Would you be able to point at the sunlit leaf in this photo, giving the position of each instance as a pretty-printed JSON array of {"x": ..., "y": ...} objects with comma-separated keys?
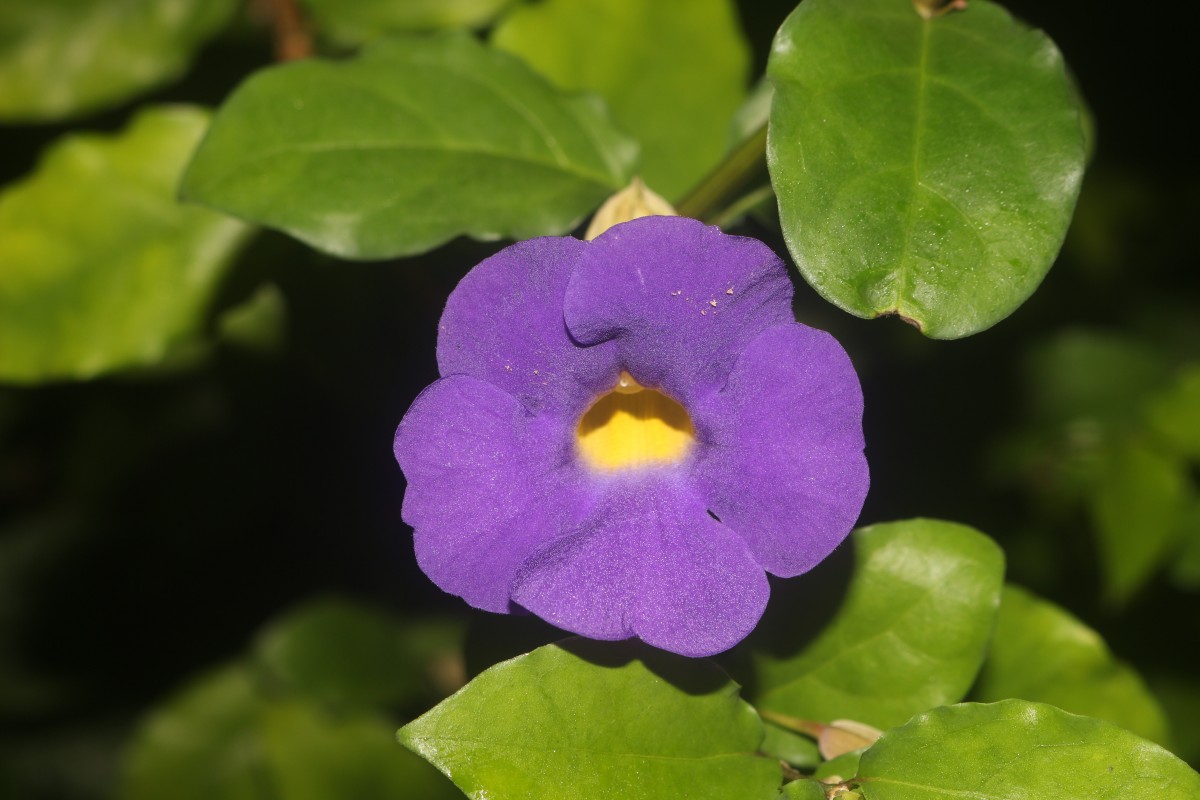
[
  {"x": 357, "y": 21},
  {"x": 414, "y": 142},
  {"x": 1015, "y": 750},
  {"x": 910, "y": 634},
  {"x": 649, "y": 60},
  {"x": 68, "y": 57},
  {"x": 595, "y": 721},
  {"x": 1041, "y": 653},
  {"x": 924, "y": 167},
  {"x": 100, "y": 267}
]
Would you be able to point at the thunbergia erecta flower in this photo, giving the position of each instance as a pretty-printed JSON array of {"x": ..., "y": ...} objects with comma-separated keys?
[{"x": 629, "y": 433}]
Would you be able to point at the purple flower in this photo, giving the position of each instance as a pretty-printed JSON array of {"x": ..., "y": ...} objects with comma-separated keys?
[{"x": 541, "y": 473}]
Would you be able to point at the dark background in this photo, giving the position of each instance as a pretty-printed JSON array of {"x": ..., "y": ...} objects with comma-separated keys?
[{"x": 149, "y": 525}]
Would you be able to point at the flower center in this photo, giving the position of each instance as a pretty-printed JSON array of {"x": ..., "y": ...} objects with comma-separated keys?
[{"x": 632, "y": 426}]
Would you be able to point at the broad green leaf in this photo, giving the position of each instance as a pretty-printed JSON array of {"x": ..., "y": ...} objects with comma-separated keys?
[
  {"x": 594, "y": 721},
  {"x": 1137, "y": 507},
  {"x": 673, "y": 72},
  {"x": 69, "y": 57},
  {"x": 1016, "y": 750},
  {"x": 358, "y": 21},
  {"x": 910, "y": 634},
  {"x": 1041, "y": 653},
  {"x": 1174, "y": 415},
  {"x": 223, "y": 739},
  {"x": 100, "y": 267},
  {"x": 346, "y": 655},
  {"x": 414, "y": 142},
  {"x": 926, "y": 168}
]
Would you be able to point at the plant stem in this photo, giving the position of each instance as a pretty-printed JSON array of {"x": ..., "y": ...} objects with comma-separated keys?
[{"x": 724, "y": 184}]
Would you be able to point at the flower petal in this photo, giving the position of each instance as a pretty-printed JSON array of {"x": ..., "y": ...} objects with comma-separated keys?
[
  {"x": 479, "y": 471},
  {"x": 680, "y": 298},
  {"x": 648, "y": 561},
  {"x": 783, "y": 463},
  {"x": 503, "y": 323}
]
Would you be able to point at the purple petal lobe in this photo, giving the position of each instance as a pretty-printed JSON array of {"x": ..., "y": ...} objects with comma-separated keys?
[
  {"x": 648, "y": 561},
  {"x": 503, "y": 323},
  {"x": 479, "y": 473},
  {"x": 783, "y": 462},
  {"x": 680, "y": 298}
]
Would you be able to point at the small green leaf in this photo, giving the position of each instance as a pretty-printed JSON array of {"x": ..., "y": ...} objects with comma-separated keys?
[
  {"x": 1016, "y": 750},
  {"x": 1174, "y": 415},
  {"x": 926, "y": 168},
  {"x": 100, "y": 267},
  {"x": 406, "y": 146},
  {"x": 69, "y": 57},
  {"x": 799, "y": 751},
  {"x": 357, "y": 21},
  {"x": 594, "y": 721},
  {"x": 803, "y": 789},
  {"x": 1137, "y": 506},
  {"x": 843, "y": 768},
  {"x": 346, "y": 655},
  {"x": 1043, "y": 654},
  {"x": 647, "y": 60},
  {"x": 910, "y": 634},
  {"x": 258, "y": 324}
]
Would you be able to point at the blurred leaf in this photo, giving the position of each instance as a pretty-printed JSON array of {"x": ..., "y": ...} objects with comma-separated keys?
[
  {"x": 1174, "y": 415},
  {"x": 648, "y": 61},
  {"x": 1185, "y": 567},
  {"x": 259, "y": 323},
  {"x": 1137, "y": 508},
  {"x": 799, "y": 751},
  {"x": 346, "y": 655},
  {"x": 222, "y": 739},
  {"x": 926, "y": 168},
  {"x": 1043, "y": 654},
  {"x": 101, "y": 268},
  {"x": 357, "y": 21},
  {"x": 910, "y": 634},
  {"x": 68, "y": 57},
  {"x": 1016, "y": 749},
  {"x": 596, "y": 720},
  {"x": 406, "y": 146},
  {"x": 1180, "y": 695},
  {"x": 1094, "y": 378}
]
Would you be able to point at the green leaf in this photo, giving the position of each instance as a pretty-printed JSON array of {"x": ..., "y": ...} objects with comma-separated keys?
[
  {"x": 258, "y": 324},
  {"x": 910, "y": 634},
  {"x": 648, "y": 60},
  {"x": 358, "y": 21},
  {"x": 1041, "y": 653},
  {"x": 68, "y": 57},
  {"x": 843, "y": 768},
  {"x": 1174, "y": 415},
  {"x": 1016, "y": 750},
  {"x": 926, "y": 168},
  {"x": 803, "y": 789},
  {"x": 223, "y": 739},
  {"x": 596, "y": 720},
  {"x": 346, "y": 655},
  {"x": 799, "y": 751},
  {"x": 102, "y": 268},
  {"x": 410, "y": 144},
  {"x": 1137, "y": 507}
]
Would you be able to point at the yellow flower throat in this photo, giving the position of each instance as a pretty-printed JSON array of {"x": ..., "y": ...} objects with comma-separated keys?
[{"x": 632, "y": 427}]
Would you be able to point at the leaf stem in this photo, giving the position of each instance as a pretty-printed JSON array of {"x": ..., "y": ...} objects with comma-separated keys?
[
  {"x": 794, "y": 724},
  {"x": 724, "y": 184},
  {"x": 293, "y": 40}
]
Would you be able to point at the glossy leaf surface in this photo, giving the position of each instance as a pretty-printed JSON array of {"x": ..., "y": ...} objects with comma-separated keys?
[
  {"x": 102, "y": 269},
  {"x": 1016, "y": 750},
  {"x": 647, "y": 59},
  {"x": 414, "y": 142},
  {"x": 910, "y": 633},
  {"x": 1043, "y": 654},
  {"x": 67, "y": 57},
  {"x": 926, "y": 168},
  {"x": 592, "y": 721}
]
